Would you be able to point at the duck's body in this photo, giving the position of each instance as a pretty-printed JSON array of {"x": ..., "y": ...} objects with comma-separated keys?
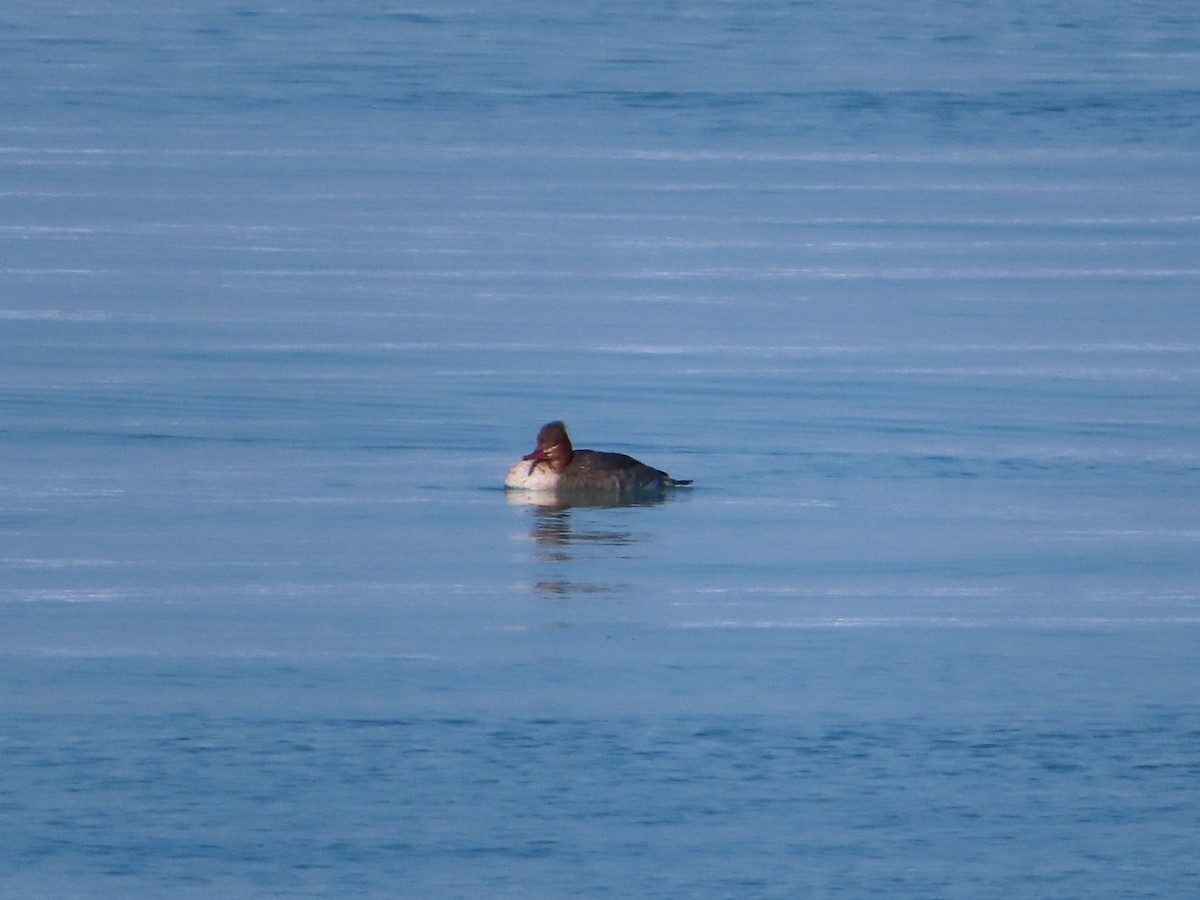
[{"x": 556, "y": 466}]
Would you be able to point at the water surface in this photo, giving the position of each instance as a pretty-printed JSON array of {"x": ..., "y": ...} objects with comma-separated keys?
[{"x": 909, "y": 293}]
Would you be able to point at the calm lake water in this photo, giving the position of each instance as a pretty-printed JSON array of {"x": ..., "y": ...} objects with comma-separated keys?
[{"x": 910, "y": 292}]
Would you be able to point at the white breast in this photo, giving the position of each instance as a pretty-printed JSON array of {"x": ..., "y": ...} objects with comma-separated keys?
[{"x": 543, "y": 478}]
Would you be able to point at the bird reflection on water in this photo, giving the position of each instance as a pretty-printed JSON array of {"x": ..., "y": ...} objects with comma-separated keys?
[{"x": 564, "y": 539}]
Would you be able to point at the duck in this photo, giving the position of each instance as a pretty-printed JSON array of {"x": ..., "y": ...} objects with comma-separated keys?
[{"x": 556, "y": 466}]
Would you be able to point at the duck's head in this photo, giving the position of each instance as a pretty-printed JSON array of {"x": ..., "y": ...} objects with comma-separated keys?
[{"x": 553, "y": 447}]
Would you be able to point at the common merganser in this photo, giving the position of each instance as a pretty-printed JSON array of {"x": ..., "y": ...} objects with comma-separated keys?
[{"x": 555, "y": 466}]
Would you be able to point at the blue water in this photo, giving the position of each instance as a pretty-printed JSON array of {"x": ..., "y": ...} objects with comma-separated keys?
[{"x": 910, "y": 290}]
